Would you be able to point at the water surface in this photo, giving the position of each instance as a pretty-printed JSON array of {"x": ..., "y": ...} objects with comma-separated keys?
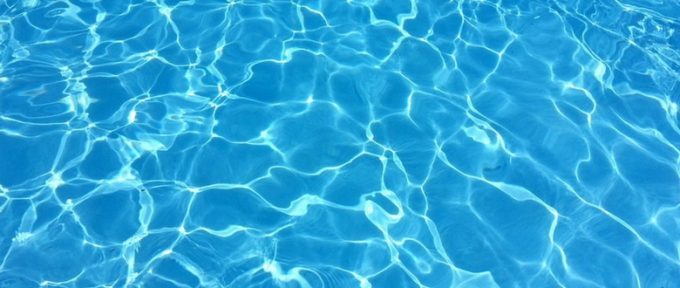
[{"x": 339, "y": 143}]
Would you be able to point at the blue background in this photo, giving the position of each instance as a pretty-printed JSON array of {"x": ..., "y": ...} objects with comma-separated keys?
[{"x": 363, "y": 143}]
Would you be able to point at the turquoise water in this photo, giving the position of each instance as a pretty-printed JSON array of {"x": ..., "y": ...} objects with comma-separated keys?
[{"x": 339, "y": 143}]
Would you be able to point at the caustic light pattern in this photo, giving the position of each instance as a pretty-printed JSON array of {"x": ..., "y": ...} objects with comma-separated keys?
[{"x": 339, "y": 143}]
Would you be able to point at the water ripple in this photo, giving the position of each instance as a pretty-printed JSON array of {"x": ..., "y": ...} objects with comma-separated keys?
[{"x": 357, "y": 143}]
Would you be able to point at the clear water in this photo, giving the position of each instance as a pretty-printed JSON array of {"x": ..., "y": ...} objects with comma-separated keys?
[{"x": 339, "y": 143}]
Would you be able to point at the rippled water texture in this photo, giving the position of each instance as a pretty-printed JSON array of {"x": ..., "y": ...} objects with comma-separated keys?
[{"x": 339, "y": 143}]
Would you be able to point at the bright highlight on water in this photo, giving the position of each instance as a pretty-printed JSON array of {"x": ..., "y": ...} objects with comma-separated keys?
[{"x": 339, "y": 143}]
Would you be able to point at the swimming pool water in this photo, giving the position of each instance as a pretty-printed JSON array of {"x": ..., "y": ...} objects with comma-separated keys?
[{"x": 339, "y": 143}]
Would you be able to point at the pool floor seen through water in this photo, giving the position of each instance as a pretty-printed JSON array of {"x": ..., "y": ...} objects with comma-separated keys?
[{"x": 339, "y": 143}]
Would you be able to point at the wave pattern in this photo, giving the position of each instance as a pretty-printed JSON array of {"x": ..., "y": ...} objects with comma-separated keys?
[{"x": 339, "y": 143}]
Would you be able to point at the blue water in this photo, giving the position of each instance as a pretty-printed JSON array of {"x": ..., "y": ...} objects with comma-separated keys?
[{"x": 339, "y": 143}]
